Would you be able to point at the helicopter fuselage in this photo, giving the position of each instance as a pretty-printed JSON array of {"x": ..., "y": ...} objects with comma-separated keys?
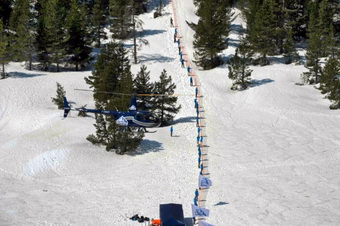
[{"x": 134, "y": 118}]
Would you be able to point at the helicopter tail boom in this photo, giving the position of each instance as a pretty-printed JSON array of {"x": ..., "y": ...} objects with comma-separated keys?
[{"x": 67, "y": 107}]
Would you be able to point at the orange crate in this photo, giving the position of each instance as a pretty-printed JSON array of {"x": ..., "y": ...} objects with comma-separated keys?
[{"x": 156, "y": 222}]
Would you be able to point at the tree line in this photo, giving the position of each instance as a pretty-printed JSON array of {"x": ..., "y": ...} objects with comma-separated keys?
[
  {"x": 273, "y": 27},
  {"x": 55, "y": 34},
  {"x": 62, "y": 33}
]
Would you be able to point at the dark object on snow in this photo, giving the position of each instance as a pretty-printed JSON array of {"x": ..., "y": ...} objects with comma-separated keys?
[
  {"x": 134, "y": 217},
  {"x": 171, "y": 214},
  {"x": 141, "y": 219}
]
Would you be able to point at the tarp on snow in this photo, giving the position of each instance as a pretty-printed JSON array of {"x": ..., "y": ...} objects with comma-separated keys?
[{"x": 171, "y": 214}]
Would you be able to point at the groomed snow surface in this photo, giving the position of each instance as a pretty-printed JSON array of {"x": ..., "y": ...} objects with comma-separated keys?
[{"x": 272, "y": 151}]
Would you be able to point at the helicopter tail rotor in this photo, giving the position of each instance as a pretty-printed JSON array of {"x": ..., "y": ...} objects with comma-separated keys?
[{"x": 67, "y": 107}]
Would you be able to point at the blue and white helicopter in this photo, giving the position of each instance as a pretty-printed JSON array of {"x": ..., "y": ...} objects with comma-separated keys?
[{"x": 130, "y": 118}]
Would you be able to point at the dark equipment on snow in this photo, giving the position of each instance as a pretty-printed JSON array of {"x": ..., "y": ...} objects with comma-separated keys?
[{"x": 171, "y": 214}]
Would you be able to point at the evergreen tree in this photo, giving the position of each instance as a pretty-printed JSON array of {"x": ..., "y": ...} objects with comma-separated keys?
[
  {"x": 262, "y": 33},
  {"x": 112, "y": 74},
  {"x": 211, "y": 32},
  {"x": 128, "y": 141},
  {"x": 238, "y": 67},
  {"x": 314, "y": 52},
  {"x": 143, "y": 85},
  {"x": 59, "y": 99},
  {"x": 21, "y": 22},
  {"x": 82, "y": 113},
  {"x": 290, "y": 52},
  {"x": 333, "y": 43},
  {"x": 123, "y": 139},
  {"x": 125, "y": 24},
  {"x": 165, "y": 106},
  {"x": 60, "y": 38},
  {"x": 111, "y": 63},
  {"x": 334, "y": 95},
  {"x": 329, "y": 74},
  {"x": 140, "y": 6},
  {"x": 295, "y": 17},
  {"x": 98, "y": 22},
  {"x": 249, "y": 9},
  {"x": 102, "y": 134},
  {"x": 5, "y": 11},
  {"x": 4, "y": 51},
  {"x": 120, "y": 18},
  {"x": 325, "y": 16},
  {"x": 45, "y": 30},
  {"x": 78, "y": 43}
]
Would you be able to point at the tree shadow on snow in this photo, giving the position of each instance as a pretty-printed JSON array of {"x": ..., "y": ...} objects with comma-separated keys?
[
  {"x": 233, "y": 42},
  {"x": 148, "y": 146},
  {"x": 149, "y": 32},
  {"x": 184, "y": 120},
  {"x": 255, "y": 82},
  {"x": 155, "y": 58},
  {"x": 221, "y": 203},
  {"x": 23, "y": 75},
  {"x": 237, "y": 29}
]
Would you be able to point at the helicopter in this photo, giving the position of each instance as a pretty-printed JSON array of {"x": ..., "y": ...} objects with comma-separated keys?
[{"x": 130, "y": 118}]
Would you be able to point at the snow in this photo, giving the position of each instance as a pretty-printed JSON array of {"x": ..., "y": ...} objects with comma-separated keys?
[{"x": 272, "y": 151}]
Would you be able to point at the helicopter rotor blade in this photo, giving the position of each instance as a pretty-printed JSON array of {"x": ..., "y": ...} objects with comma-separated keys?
[
  {"x": 136, "y": 94},
  {"x": 93, "y": 91}
]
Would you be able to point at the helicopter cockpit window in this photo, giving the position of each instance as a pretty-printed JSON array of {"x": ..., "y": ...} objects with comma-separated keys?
[{"x": 141, "y": 117}]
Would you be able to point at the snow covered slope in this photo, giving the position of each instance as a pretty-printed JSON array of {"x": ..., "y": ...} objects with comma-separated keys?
[{"x": 273, "y": 150}]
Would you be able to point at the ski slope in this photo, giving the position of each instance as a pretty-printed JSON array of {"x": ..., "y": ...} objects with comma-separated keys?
[{"x": 272, "y": 150}]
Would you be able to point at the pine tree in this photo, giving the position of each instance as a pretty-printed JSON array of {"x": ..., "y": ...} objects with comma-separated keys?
[
  {"x": 112, "y": 74},
  {"x": 125, "y": 86},
  {"x": 314, "y": 52},
  {"x": 128, "y": 141},
  {"x": 165, "y": 106},
  {"x": 329, "y": 74},
  {"x": 325, "y": 16},
  {"x": 45, "y": 32},
  {"x": 59, "y": 40},
  {"x": 98, "y": 22},
  {"x": 4, "y": 51},
  {"x": 262, "y": 33},
  {"x": 238, "y": 66},
  {"x": 21, "y": 22},
  {"x": 249, "y": 9},
  {"x": 120, "y": 18},
  {"x": 5, "y": 11},
  {"x": 211, "y": 32},
  {"x": 334, "y": 95},
  {"x": 59, "y": 99},
  {"x": 295, "y": 17},
  {"x": 82, "y": 113},
  {"x": 332, "y": 40},
  {"x": 102, "y": 134},
  {"x": 122, "y": 139},
  {"x": 78, "y": 43},
  {"x": 111, "y": 63},
  {"x": 290, "y": 52},
  {"x": 143, "y": 85}
]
